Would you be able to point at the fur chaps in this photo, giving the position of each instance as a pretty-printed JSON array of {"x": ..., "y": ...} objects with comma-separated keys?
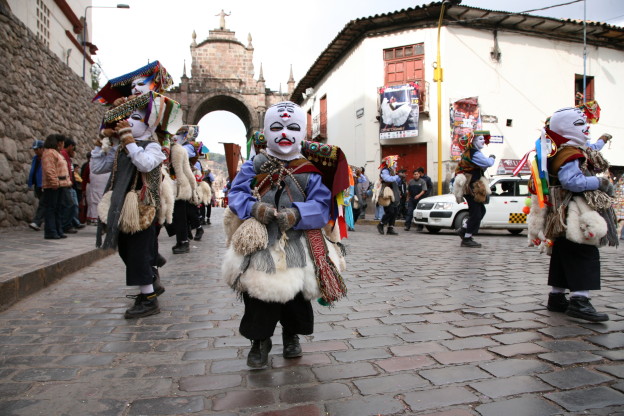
[
  {"x": 185, "y": 180},
  {"x": 167, "y": 198}
]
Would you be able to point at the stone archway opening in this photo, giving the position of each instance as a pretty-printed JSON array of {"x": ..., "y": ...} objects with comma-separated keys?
[{"x": 226, "y": 118}]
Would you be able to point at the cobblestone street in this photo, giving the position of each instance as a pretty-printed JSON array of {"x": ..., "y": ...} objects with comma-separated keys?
[{"x": 428, "y": 328}]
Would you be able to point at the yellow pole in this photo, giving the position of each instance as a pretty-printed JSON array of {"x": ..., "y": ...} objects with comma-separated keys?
[{"x": 438, "y": 76}]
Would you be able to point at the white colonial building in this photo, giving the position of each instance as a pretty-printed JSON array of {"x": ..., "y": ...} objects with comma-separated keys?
[{"x": 506, "y": 71}]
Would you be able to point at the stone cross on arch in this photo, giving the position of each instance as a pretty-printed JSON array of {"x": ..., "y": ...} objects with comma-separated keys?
[{"x": 222, "y": 16}]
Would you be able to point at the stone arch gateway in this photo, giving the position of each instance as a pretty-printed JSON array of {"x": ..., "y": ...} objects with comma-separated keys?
[{"x": 222, "y": 79}]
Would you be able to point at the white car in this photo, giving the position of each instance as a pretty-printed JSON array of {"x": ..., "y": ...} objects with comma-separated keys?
[{"x": 503, "y": 210}]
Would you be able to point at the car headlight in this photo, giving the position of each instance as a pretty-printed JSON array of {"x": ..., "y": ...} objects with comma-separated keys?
[{"x": 443, "y": 205}]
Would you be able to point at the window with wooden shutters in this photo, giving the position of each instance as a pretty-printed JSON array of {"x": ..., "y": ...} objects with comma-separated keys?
[
  {"x": 405, "y": 64},
  {"x": 578, "y": 88},
  {"x": 309, "y": 127}
]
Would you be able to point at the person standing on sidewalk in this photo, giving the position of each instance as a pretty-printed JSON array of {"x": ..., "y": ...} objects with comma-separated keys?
[
  {"x": 280, "y": 195},
  {"x": 416, "y": 188},
  {"x": 55, "y": 179},
  {"x": 35, "y": 182},
  {"x": 471, "y": 184},
  {"x": 389, "y": 179}
]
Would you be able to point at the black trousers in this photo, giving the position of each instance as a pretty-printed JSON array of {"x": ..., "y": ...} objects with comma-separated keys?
[
  {"x": 138, "y": 252},
  {"x": 409, "y": 216},
  {"x": 574, "y": 266},
  {"x": 390, "y": 214},
  {"x": 476, "y": 212},
  {"x": 260, "y": 317},
  {"x": 185, "y": 217}
]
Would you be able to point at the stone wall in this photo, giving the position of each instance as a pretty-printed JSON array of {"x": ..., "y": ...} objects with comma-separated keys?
[{"x": 39, "y": 95}]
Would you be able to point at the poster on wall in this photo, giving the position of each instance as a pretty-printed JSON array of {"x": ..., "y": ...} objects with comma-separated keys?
[
  {"x": 465, "y": 118},
  {"x": 399, "y": 111}
]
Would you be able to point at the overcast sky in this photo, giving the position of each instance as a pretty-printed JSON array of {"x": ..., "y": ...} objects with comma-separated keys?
[{"x": 283, "y": 33}]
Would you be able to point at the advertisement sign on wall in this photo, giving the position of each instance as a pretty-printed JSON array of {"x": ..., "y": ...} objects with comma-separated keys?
[
  {"x": 465, "y": 118},
  {"x": 399, "y": 111}
]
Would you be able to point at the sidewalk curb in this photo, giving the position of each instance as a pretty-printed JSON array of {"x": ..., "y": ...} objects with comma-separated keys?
[{"x": 18, "y": 287}]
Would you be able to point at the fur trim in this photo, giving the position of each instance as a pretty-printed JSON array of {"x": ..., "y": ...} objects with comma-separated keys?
[
  {"x": 167, "y": 198},
  {"x": 281, "y": 286},
  {"x": 185, "y": 181},
  {"x": 584, "y": 225},
  {"x": 204, "y": 192},
  {"x": 231, "y": 222},
  {"x": 481, "y": 189},
  {"x": 458, "y": 187},
  {"x": 104, "y": 206}
]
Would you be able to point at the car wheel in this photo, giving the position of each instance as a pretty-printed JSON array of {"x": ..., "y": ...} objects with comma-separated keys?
[
  {"x": 433, "y": 230},
  {"x": 515, "y": 231},
  {"x": 459, "y": 219}
]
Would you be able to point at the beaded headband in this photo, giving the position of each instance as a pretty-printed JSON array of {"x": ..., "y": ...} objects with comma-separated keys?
[
  {"x": 122, "y": 85},
  {"x": 161, "y": 111}
]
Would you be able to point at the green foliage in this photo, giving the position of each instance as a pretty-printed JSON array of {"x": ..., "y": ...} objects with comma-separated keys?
[{"x": 96, "y": 71}]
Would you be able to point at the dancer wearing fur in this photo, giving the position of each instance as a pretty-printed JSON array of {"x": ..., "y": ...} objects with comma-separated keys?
[
  {"x": 472, "y": 185},
  {"x": 129, "y": 149},
  {"x": 185, "y": 214},
  {"x": 278, "y": 194},
  {"x": 575, "y": 258}
]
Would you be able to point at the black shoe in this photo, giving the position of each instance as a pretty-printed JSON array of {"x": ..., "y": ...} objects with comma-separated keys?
[
  {"x": 292, "y": 348},
  {"x": 160, "y": 260},
  {"x": 198, "y": 234},
  {"x": 259, "y": 354},
  {"x": 80, "y": 226},
  {"x": 580, "y": 307},
  {"x": 181, "y": 248},
  {"x": 62, "y": 236},
  {"x": 70, "y": 230},
  {"x": 469, "y": 242},
  {"x": 159, "y": 289},
  {"x": 52, "y": 237},
  {"x": 202, "y": 222},
  {"x": 207, "y": 221},
  {"x": 391, "y": 231},
  {"x": 380, "y": 228},
  {"x": 406, "y": 228},
  {"x": 34, "y": 226},
  {"x": 461, "y": 232},
  {"x": 557, "y": 302},
  {"x": 144, "y": 305}
]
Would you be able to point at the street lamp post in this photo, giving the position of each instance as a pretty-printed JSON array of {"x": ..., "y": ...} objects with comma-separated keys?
[
  {"x": 84, "y": 33},
  {"x": 438, "y": 77}
]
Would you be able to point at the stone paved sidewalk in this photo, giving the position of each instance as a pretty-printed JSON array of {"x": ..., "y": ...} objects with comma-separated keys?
[
  {"x": 29, "y": 262},
  {"x": 427, "y": 329}
]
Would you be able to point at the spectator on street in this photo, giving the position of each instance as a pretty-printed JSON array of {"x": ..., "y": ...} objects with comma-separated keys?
[
  {"x": 55, "y": 180},
  {"x": 71, "y": 223},
  {"x": 390, "y": 180},
  {"x": 35, "y": 182},
  {"x": 402, "y": 194},
  {"x": 429, "y": 192},
  {"x": 416, "y": 189}
]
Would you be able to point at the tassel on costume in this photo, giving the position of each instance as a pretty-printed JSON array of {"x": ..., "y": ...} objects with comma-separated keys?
[{"x": 129, "y": 221}]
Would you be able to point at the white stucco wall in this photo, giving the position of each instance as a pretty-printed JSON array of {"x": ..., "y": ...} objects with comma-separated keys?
[
  {"x": 534, "y": 78},
  {"x": 60, "y": 44}
]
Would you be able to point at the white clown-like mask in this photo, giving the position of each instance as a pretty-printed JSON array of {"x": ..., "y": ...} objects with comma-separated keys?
[
  {"x": 180, "y": 137},
  {"x": 142, "y": 85},
  {"x": 284, "y": 129},
  {"x": 571, "y": 123},
  {"x": 479, "y": 142},
  {"x": 140, "y": 129}
]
